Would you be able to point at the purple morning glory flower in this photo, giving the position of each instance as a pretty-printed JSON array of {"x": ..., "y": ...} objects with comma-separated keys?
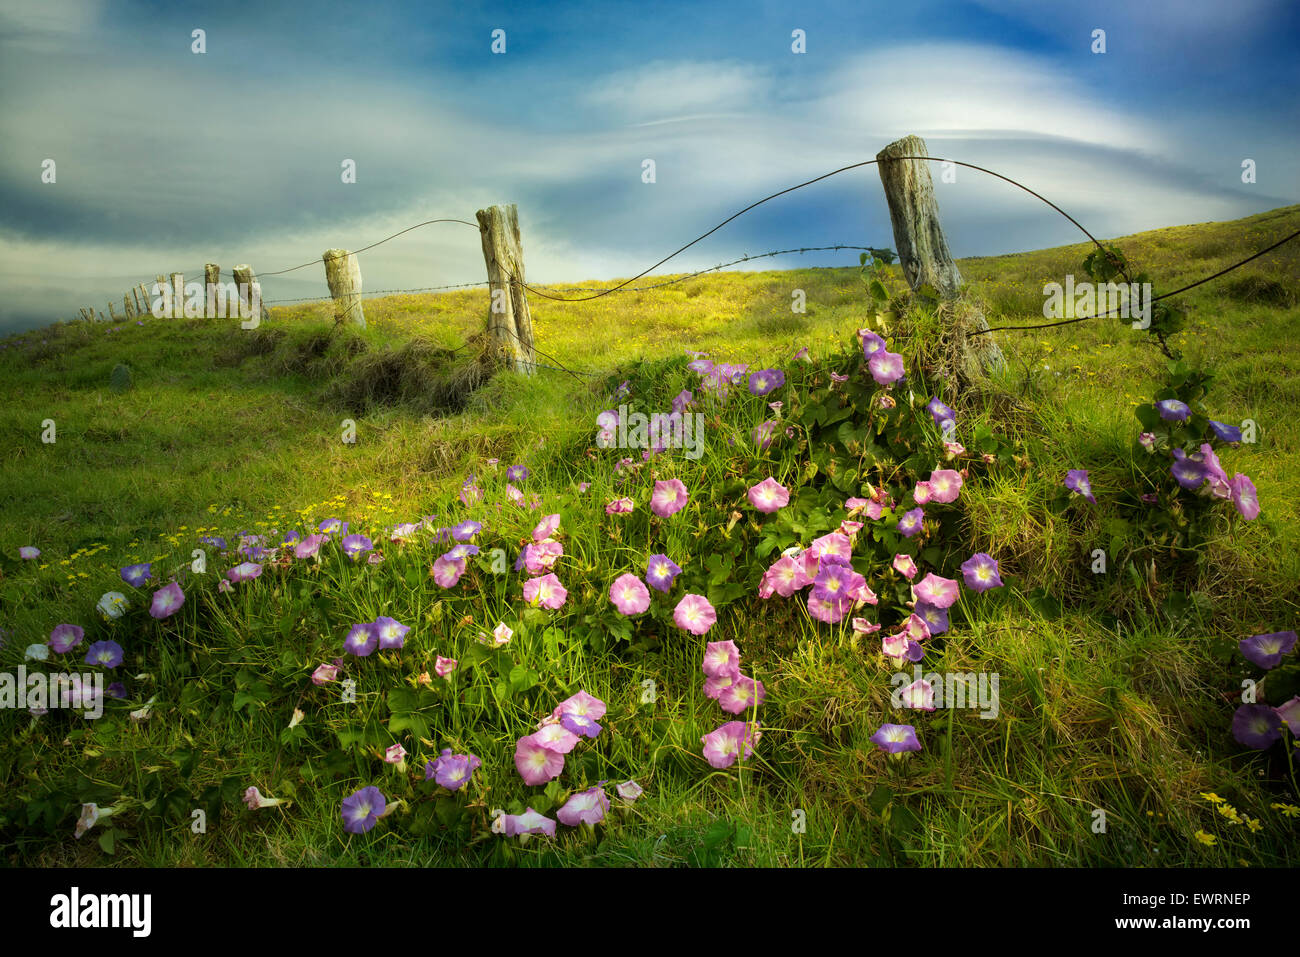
[
  {"x": 116, "y": 690},
  {"x": 660, "y": 572},
  {"x": 105, "y": 653},
  {"x": 1256, "y": 726},
  {"x": 871, "y": 344},
  {"x": 136, "y": 575},
  {"x": 356, "y": 545},
  {"x": 452, "y": 771},
  {"x": 936, "y": 618},
  {"x": 362, "y": 809},
  {"x": 29, "y": 553},
  {"x": 1226, "y": 433},
  {"x": 389, "y": 632},
  {"x": 333, "y": 526},
  {"x": 896, "y": 738},
  {"x": 910, "y": 523},
  {"x": 1173, "y": 410},
  {"x": 1076, "y": 480},
  {"x": 244, "y": 572},
  {"x": 361, "y": 640},
  {"x": 766, "y": 381},
  {"x": 290, "y": 537},
  {"x": 466, "y": 530},
  {"x": 981, "y": 572},
  {"x": 940, "y": 412},
  {"x": 1189, "y": 472},
  {"x": 682, "y": 401},
  {"x": 216, "y": 541},
  {"x": 583, "y": 725},
  {"x": 1267, "y": 650},
  {"x": 886, "y": 367},
  {"x": 65, "y": 637},
  {"x": 517, "y": 473}
]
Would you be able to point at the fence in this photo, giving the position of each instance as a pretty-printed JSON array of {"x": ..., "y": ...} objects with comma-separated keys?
[{"x": 923, "y": 255}]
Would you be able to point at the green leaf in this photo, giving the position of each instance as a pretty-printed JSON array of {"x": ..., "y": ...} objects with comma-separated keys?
[{"x": 107, "y": 841}]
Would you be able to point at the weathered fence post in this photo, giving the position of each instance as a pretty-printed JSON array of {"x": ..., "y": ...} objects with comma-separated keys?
[
  {"x": 126, "y": 306},
  {"x": 178, "y": 295},
  {"x": 211, "y": 278},
  {"x": 246, "y": 282},
  {"x": 146, "y": 299},
  {"x": 343, "y": 273},
  {"x": 510, "y": 325},
  {"x": 923, "y": 250},
  {"x": 112, "y": 313}
]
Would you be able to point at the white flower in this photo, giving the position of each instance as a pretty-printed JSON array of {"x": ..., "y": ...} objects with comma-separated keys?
[
  {"x": 112, "y": 605},
  {"x": 37, "y": 652}
]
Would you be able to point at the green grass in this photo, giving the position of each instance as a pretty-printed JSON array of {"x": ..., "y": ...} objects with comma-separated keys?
[{"x": 1112, "y": 705}]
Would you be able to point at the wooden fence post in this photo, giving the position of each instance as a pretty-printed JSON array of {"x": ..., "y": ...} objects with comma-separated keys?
[
  {"x": 246, "y": 281},
  {"x": 127, "y": 307},
  {"x": 343, "y": 274},
  {"x": 923, "y": 250},
  {"x": 509, "y": 324},
  {"x": 211, "y": 277}
]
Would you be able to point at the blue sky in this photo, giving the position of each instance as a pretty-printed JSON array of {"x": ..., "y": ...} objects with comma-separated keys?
[{"x": 167, "y": 159}]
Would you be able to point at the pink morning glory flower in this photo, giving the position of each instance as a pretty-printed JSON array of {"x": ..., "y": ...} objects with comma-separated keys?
[
  {"x": 1147, "y": 440},
  {"x": 136, "y": 575},
  {"x": 29, "y": 553},
  {"x": 361, "y": 640},
  {"x": 910, "y": 522},
  {"x": 905, "y": 565},
  {"x": 1267, "y": 650},
  {"x": 864, "y": 627},
  {"x": 447, "y": 571},
  {"x": 443, "y": 667},
  {"x": 1289, "y": 712},
  {"x": 660, "y": 572},
  {"x": 769, "y": 495},
  {"x": 742, "y": 694},
  {"x": 395, "y": 754},
  {"x": 556, "y": 737},
  {"x": 764, "y": 433},
  {"x": 452, "y": 771},
  {"x": 829, "y": 612},
  {"x": 886, "y": 367},
  {"x": 546, "y": 528},
  {"x": 362, "y": 809},
  {"x": 310, "y": 546},
  {"x": 900, "y": 647},
  {"x": 470, "y": 494},
  {"x": 896, "y": 738},
  {"x": 167, "y": 601},
  {"x": 713, "y": 687},
  {"x": 724, "y": 745},
  {"x": 582, "y": 704},
  {"x": 629, "y": 791},
  {"x": 537, "y": 763},
  {"x": 528, "y": 823},
  {"x": 244, "y": 572},
  {"x": 502, "y": 634},
  {"x": 629, "y": 595},
  {"x": 391, "y": 633},
  {"x": 65, "y": 637},
  {"x": 945, "y": 485},
  {"x": 833, "y": 548},
  {"x": 682, "y": 402},
  {"x": 922, "y": 493},
  {"x": 1243, "y": 496},
  {"x": 619, "y": 506},
  {"x": 835, "y": 582},
  {"x": 981, "y": 572},
  {"x": 940, "y": 592},
  {"x": 107, "y": 654},
  {"x": 669, "y": 497},
  {"x": 584, "y": 807},
  {"x": 786, "y": 576},
  {"x": 721, "y": 658},
  {"x": 324, "y": 674},
  {"x": 694, "y": 614},
  {"x": 1076, "y": 480},
  {"x": 919, "y": 695},
  {"x": 546, "y": 592}
]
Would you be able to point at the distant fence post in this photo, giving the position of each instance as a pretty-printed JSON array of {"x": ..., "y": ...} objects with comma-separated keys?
[
  {"x": 162, "y": 281},
  {"x": 923, "y": 250},
  {"x": 211, "y": 278},
  {"x": 246, "y": 282},
  {"x": 343, "y": 274},
  {"x": 178, "y": 295},
  {"x": 126, "y": 306},
  {"x": 510, "y": 324}
]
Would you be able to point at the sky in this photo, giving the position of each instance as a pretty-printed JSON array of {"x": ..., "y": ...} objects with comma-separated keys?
[{"x": 165, "y": 158}]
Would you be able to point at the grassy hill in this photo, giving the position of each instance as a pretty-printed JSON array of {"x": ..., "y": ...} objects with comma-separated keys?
[{"x": 1110, "y": 701}]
